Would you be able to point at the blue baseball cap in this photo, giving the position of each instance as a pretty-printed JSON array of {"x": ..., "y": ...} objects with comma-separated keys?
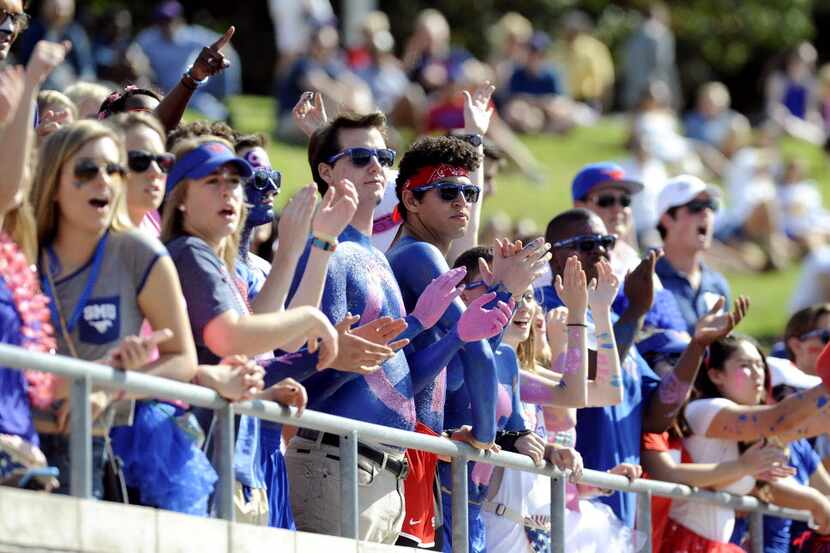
[
  {"x": 204, "y": 160},
  {"x": 594, "y": 174}
]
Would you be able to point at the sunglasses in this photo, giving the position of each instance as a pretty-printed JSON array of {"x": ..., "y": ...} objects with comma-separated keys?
[
  {"x": 361, "y": 157},
  {"x": 588, "y": 242},
  {"x": 87, "y": 169},
  {"x": 822, "y": 334},
  {"x": 475, "y": 284},
  {"x": 19, "y": 20},
  {"x": 139, "y": 161},
  {"x": 696, "y": 206},
  {"x": 449, "y": 191},
  {"x": 608, "y": 200},
  {"x": 265, "y": 179}
]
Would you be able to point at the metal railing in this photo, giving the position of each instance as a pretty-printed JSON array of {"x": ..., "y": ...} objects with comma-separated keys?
[{"x": 84, "y": 375}]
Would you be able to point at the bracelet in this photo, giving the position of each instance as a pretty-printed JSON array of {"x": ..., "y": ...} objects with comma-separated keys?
[
  {"x": 583, "y": 325},
  {"x": 325, "y": 237},
  {"x": 189, "y": 82},
  {"x": 196, "y": 82},
  {"x": 324, "y": 245}
]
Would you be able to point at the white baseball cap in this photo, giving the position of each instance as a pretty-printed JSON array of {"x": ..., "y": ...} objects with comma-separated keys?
[{"x": 681, "y": 190}]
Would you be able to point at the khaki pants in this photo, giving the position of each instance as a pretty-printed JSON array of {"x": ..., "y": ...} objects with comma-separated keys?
[
  {"x": 315, "y": 492},
  {"x": 253, "y": 509}
]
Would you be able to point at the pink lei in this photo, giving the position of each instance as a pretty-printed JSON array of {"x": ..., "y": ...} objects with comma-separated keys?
[{"x": 35, "y": 319}]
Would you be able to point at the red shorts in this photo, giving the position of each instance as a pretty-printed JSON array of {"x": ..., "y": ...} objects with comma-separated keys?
[
  {"x": 419, "y": 496},
  {"x": 679, "y": 539}
]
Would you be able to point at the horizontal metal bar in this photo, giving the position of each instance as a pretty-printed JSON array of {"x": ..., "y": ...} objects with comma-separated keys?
[
  {"x": 152, "y": 386},
  {"x": 106, "y": 377}
]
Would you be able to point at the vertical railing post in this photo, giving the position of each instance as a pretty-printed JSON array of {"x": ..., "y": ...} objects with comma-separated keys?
[
  {"x": 557, "y": 513},
  {"x": 348, "y": 485},
  {"x": 460, "y": 528},
  {"x": 644, "y": 520},
  {"x": 756, "y": 531},
  {"x": 80, "y": 438},
  {"x": 223, "y": 450}
]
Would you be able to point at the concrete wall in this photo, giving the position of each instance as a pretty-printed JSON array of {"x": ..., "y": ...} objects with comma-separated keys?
[{"x": 37, "y": 522}]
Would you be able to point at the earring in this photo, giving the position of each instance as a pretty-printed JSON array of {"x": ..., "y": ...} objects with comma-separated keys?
[{"x": 181, "y": 208}]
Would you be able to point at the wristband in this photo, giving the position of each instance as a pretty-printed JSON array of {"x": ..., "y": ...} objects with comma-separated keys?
[
  {"x": 196, "y": 81},
  {"x": 325, "y": 237},
  {"x": 507, "y": 439},
  {"x": 583, "y": 325},
  {"x": 324, "y": 245},
  {"x": 189, "y": 82}
]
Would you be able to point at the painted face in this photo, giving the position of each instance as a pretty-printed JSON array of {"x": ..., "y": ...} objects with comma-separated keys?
[
  {"x": 810, "y": 345},
  {"x": 370, "y": 179},
  {"x": 10, "y": 26},
  {"x": 692, "y": 227},
  {"x": 518, "y": 330},
  {"x": 742, "y": 377},
  {"x": 145, "y": 189},
  {"x": 447, "y": 219},
  {"x": 89, "y": 184},
  {"x": 474, "y": 287},
  {"x": 613, "y": 205},
  {"x": 261, "y": 188},
  {"x": 213, "y": 204}
]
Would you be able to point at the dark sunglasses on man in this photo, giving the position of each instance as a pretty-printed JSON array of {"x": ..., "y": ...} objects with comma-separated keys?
[
  {"x": 449, "y": 191},
  {"x": 822, "y": 334},
  {"x": 87, "y": 169},
  {"x": 20, "y": 20},
  {"x": 361, "y": 157},
  {"x": 607, "y": 201},
  {"x": 264, "y": 180},
  {"x": 139, "y": 161},
  {"x": 588, "y": 242},
  {"x": 696, "y": 206}
]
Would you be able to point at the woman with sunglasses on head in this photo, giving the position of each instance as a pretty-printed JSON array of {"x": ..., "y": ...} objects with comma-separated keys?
[
  {"x": 147, "y": 167},
  {"x": 730, "y": 411},
  {"x": 104, "y": 278}
]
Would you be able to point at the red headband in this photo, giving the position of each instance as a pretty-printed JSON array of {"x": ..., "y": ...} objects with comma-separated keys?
[{"x": 428, "y": 175}]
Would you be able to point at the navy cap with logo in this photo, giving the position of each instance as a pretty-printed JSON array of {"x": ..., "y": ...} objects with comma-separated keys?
[
  {"x": 595, "y": 174},
  {"x": 204, "y": 160}
]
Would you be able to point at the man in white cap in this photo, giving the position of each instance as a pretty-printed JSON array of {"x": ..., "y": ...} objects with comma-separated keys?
[{"x": 686, "y": 207}]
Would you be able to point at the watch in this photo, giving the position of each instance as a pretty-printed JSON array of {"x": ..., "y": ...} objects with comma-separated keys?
[
  {"x": 473, "y": 140},
  {"x": 190, "y": 76}
]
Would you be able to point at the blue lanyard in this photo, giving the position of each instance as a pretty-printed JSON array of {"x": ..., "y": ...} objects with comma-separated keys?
[{"x": 95, "y": 269}]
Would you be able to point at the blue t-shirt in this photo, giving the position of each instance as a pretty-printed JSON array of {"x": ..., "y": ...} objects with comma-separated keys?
[
  {"x": 693, "y": 304},
  {"x": 210, "y": 291},
  {"x": 523, "y": 81},
  {"x": 15, "y": 411},
  {"x": 777, "y": 531},
  {"x": 608, "y": 436}
]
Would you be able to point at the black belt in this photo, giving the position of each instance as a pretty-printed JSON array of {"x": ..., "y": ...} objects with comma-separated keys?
[{"x": 400, "y": 469}]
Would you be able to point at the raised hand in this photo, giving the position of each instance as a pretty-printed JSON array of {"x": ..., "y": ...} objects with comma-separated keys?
[
  {"x": 336, "y": 209},
  {"x": 602, "y": 295},
  {"x": 357, "y": 354},
  {"x": 11, "y": 91},
  {"x": 639, "y": 284},
  {"x": 478, "y": 323},
  {"x": 557, "y": 331},
  {"x": 287, "y": 392},
  {"x": 51, "y": 122},
  {"x": 437, "y": 296},
  {"x": 136, "y": 351},
  {"x": 572, "y": 288},
  {"x": 211, "y": 60},
  {"x": 45, "y": 57},
  {"x": 310, "y": 113},
  {"x": 716, "y": 324},
  {"x": 478, "y": 109},
  {"x": 514, "y": 265},
  {"x": 295, "y": 222}
]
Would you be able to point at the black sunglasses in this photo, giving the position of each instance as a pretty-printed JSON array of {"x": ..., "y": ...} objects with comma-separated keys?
[
  {"x": 822, "y": 334},
  {"x": 20, "y": 20},
  {"x": 449, "y": 191},
  {"x": 361, "y": 157},
  {"x": 696, "y": 206},
  {"x": 87, "y": 169},
  {"x": 139, "y": 161},
  {"x": 266, "y": 179},
  {"x": 588, "y": 242},
  {"x": 609, "y": 200}
]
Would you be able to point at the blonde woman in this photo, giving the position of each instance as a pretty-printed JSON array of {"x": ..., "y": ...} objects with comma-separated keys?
[{"x": 104, "y": 277}]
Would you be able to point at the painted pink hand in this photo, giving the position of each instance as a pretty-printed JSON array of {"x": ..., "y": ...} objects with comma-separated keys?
[
  {"x": 478, "y": 323},
  {"x": 673, "y": 390},
  {"x": 437, "y": 296}
]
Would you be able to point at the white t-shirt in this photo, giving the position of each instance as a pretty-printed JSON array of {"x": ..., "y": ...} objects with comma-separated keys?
[
  {"x": 383, "y": 228},
  {"x": 710, "y": 521},
  {"x": 784, "y": 371},
  {"x": 814, "y": 282}
]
